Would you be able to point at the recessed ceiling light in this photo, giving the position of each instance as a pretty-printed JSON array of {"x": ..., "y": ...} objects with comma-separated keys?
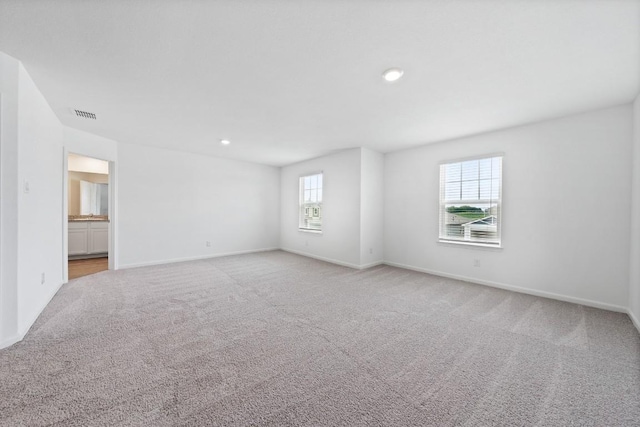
[
  {"x": 392, "y": 74},
  {"x": 225, "y": 142}
]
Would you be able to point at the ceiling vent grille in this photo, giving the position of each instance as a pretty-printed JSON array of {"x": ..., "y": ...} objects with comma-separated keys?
[{"x": 85, "y": 114}]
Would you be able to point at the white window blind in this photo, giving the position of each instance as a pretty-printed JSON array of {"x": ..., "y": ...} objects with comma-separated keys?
[
  {"x": 470, "y": 200},
  {"x": 311, "y": 202}
]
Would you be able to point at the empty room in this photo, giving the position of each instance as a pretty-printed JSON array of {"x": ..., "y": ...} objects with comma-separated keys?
[{"x": 320, "y": 213}]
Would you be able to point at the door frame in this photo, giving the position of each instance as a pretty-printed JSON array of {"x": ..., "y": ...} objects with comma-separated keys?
[{"x": 113, "y": 211}]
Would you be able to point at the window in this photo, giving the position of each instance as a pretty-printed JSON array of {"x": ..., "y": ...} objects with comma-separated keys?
[
  {"x": 470, "y": 201},
  {"x": 311, "y": 202}
]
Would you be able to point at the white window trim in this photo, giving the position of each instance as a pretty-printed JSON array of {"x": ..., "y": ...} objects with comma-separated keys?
[
  {"x": 309, "y": 230},
  {"x": 465, "y": 159},
  {"x": 464, "y": 243},
  {"x": 300, "y": 190},
  {"x": 472, "y": 244}
]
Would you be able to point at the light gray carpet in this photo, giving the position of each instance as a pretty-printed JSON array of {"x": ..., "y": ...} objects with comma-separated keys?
[{"x": 278, "y": 339}]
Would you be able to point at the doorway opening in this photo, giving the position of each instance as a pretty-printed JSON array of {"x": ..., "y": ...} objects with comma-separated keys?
[{"x": 88, "y": 219}]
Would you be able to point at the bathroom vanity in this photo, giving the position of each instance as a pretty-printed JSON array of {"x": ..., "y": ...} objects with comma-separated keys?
[{"x": 88, "y": 237}]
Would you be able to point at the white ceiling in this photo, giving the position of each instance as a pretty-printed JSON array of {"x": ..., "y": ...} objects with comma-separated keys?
[{"x": 290, "y": 80}]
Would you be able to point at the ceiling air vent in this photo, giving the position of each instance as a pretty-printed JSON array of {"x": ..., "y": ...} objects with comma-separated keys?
[{"x": 85, "y": 115}]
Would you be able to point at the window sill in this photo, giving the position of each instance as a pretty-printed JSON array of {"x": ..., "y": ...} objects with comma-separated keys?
[
  {"x": 470, "y": 244},
  {"x": 305, "y": 230}
]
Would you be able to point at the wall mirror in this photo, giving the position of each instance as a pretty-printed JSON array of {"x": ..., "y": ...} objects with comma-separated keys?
[{"x": 94, "y": 198}]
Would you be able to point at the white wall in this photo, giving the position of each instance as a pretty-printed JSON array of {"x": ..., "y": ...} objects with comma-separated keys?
[
  {"x": 575, "y": 172},
  {"x": 352, "y": 208},
  {"x": 171, "y": 203},
  {"x": 371, "y": 208},
  {"x": 87, "y": 144},
  {"x": 565, "y": 209},
  {"x": 31, "y": 238},
  {"x": 340, "y": 238},
  {"x": 40, "y": 158},
  {"x": 9, "y": 72},
  {"x": 634, "y": 259}
]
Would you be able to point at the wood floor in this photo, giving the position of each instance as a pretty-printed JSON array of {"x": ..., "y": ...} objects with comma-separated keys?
[{"x": 84, "y": 267}]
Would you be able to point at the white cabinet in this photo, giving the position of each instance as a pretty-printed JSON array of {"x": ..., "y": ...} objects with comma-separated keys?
[
  {"x": 98, "y": 241},
  {"x": 78, "y": 238},
  {"x": 88, "y": 238}
]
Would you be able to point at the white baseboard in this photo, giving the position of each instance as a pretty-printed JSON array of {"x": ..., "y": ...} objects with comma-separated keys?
[
  {"x": 634, "y": 319},
  {"x": 25, "y": 329},
  {"x": 371, "y": 264},
  {"x": 11, "y": 341},
  {"x": 52, "y": 294},
  {"x": 321, "y": 258},
  {"x": 529, "y": 291},
  {"x": 193, "y": 258},
  {"x": 333, "y": 261}
]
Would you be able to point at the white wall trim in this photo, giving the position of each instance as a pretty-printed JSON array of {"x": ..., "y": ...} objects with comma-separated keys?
[
  {"x": 65, "y": 215},
  {"x": 334, "y": 261},
  {"x": 113, "y": 216},
  {"x": 371, "y": 264},
  {"x": 634, "y": 319},
  {"x": 331, "y": 260},
  {"x": 196, "y": 258},
  {"x": 23, "y": 333},
  {"x": 11, "y": 341},
  {"x": 193, "y": 258},
  {"x": 529, "y": 291}
]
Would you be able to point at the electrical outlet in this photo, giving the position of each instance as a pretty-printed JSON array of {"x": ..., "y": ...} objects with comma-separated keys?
[
  {"x": 370, "y": 250},
  {"x": 27, "y": 187},
  {"x": 306, "y": 243},
  {"x": 476, "y": 263},
  {"x": 208, "y": 244},
  {"x": 42, "y": 279}
]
